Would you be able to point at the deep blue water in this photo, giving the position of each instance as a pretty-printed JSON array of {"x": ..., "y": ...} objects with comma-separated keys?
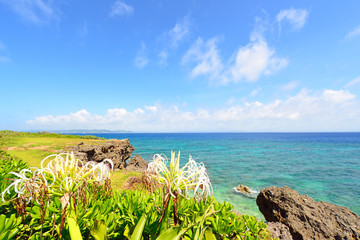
[{"x": 325, "y": 166}]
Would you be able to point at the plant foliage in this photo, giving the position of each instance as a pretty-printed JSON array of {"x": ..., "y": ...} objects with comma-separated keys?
[{"x": 89, "y": 209}]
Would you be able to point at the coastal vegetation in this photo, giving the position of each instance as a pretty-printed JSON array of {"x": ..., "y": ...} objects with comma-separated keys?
[{"x": 61, "y": 197}]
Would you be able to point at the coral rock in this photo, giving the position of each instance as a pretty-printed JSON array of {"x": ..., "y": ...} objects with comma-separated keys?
[
  {"x": 306, "y": 218},
  {"x": 119, "y": 151}
]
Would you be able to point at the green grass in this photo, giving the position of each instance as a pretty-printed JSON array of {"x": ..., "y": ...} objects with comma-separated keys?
[
  {"x": 118, "y": 178},
  {"x": 32, "y": 157},
  {"x": 23, "y": 146}
]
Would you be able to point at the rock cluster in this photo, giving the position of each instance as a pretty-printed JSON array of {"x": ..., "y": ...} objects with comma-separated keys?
[
  {"x": 119, "y": 151},
  {"x": 306, "y": 218}
]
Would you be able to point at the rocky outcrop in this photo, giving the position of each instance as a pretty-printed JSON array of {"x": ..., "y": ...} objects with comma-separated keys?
[
  {"x": 306, "y": 218},
  {"x": 119, "y": 151},
  {"x": 137, "y": 164}
]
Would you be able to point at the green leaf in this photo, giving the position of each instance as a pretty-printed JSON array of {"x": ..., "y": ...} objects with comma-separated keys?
[
  {"x": 13, "y": 232},
  {"x": 10, "y": 221},
  {"x": 209, "y": 234},
  {"x": 137, "y": 234},
  {"x": 74, "y": 230},
  {"x": 99, "y": 231},
  {"x": 2, "y": 222},
  {"x": 174, "y": 233},
  {"x": 5, "y": 235}
]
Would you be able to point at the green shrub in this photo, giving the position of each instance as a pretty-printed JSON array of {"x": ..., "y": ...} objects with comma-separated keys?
[{"x": 93, "y": 210}]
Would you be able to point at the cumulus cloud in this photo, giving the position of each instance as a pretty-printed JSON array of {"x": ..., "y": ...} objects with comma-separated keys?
[
  {"x": 339, "y": 96},
  {"x": 120, "y": 8},
  {"x": 327, "y": 110},
  {"x": 296, "y": 17},
  {"x": 248, "y": 64},
  {"x": 254, "y": 60},
  {"x": 35, "y": 11},
  {"x": 141, "y": 59},
  {"x": 352, "y": 34}
]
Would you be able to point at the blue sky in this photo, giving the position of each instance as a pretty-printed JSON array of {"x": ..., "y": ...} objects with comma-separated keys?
[{"x": 180, "y": 66}]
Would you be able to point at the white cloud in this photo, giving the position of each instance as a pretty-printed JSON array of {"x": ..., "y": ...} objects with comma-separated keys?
[
  {"x": 172, "y": 38},
  {"x": 151, "y": 108},
  {"x": 179, "y": 31},
  {"x": 290, "y": 86},
  {"x": 205, "y": 55},
  {"x": 296, "y": 17},
  {"x": 327, "y": 110},
  {"x": 36, "y": 11},
  {"x": 120, "y": 8},
  {"x": 337, "y": 96},
  {"x": 141, "y": 59},
  {"x": 353, "y": 82},
  {"x": 352, "y": 34},
  {"x": 249, "y": 63},
  {"x": 254, "y": 60}
]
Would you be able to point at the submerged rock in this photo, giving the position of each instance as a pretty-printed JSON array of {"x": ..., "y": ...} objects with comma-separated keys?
[
  {"x": 119, "y": 151},
  {"x": 306, "y": 218},
  {"x": 243, "y": 189}
]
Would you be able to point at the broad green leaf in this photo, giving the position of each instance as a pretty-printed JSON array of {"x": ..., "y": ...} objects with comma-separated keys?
[
  {"x": 2, "y": 222},
  {"x": 137, "y": 234},
  {"x": 74, "y": 230},
  {"x": 174, "y": 233}
]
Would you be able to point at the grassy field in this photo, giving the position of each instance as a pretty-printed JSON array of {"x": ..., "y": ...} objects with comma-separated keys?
[{"x": 32, "y": 148}]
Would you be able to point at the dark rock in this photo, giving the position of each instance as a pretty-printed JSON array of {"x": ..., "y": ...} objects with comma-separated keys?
[
  {"x": 279, "y": 231},
  {"x": 137, "y": 164},
  {"x": 119, "y": 151},
  {"x": 306, "y": 218}
]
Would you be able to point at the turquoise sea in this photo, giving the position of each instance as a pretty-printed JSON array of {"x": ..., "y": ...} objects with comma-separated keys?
[{"x": 325, "y": 166}]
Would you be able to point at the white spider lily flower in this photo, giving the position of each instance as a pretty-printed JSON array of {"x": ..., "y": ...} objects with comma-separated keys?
[
  {"x": 191, "y": 180},
  {"x": 60, "y": 173}
]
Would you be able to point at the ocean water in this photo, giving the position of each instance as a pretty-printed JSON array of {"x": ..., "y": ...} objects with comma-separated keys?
[{"x": 324, "y": 166}]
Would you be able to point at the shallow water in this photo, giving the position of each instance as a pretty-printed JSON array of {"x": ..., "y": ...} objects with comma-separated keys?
[{"x": 325, "y": 166}]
